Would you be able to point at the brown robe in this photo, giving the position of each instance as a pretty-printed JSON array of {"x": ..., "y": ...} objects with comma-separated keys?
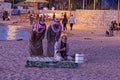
[
  {"x": 52, "y": 37},
  {"x": 35, "y": 43}
]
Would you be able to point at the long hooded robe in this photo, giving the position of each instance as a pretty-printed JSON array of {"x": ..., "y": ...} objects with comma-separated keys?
[
  {"x": 53, "y": 35},
  {"x": 35, "y": 41}
]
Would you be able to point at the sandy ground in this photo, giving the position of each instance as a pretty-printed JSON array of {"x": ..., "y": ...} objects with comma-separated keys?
[{"x": 102, "y": 54}]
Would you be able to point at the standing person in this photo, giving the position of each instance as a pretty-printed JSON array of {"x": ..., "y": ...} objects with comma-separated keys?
[
  {"x": 111, "y": 29},
  {"x": 54, "y": 16},
  {"x": 8, "y": 18},
  {"x": 64, "y": 22},
  {"x": 53, "y": 35},
  {"x": 37, "y": 17},
  {"x": 31, "y": 19},
  {"x": 72, "y": 21},
  {"x": 4, "y": 16},
  {"x": 37, "y": 35},
  {"x": 19, "y": 12},
  {"x": 65, "y": 14}
]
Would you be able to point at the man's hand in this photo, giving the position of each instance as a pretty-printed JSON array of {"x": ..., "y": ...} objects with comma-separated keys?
[{"x": 63, "y": 49}]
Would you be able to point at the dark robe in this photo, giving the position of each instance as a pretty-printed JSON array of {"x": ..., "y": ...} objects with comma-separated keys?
[{"x": 52, "y": 37}]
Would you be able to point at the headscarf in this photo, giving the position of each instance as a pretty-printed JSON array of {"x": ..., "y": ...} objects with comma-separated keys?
[
  {"x": 56, "y": 26},
  {"x": 39, "y": 27}
]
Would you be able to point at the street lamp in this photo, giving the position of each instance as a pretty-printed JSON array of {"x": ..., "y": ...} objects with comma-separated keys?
[
  {"x": 70, "y": 7},
  {"x": 83, "y": 4},
  {"x": 94, "y": 4}
]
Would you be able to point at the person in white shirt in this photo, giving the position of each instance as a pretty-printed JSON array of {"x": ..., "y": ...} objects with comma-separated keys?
[
  {"x": 72, "y": 21},
  {"x": 61, "y": 50}
]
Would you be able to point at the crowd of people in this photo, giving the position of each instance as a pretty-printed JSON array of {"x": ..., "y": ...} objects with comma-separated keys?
[
  {"x": 57, "y": 45},
  {"x": 65, "y": 20}
]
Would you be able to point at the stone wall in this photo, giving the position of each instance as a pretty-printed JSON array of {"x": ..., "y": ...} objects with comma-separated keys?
[
  {"x": 65, "y": 11},
  {"x": 92, "y": 18},
  {"x": 100, "y": 18}
]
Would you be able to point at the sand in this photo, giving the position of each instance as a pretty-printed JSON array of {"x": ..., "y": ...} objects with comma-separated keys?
[{"x": 103, "y": 54}]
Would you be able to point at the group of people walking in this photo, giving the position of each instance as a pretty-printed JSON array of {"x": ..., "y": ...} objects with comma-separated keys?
[
  {"x": 55, "y": 45},
  {"x": 65, "y": 21}
]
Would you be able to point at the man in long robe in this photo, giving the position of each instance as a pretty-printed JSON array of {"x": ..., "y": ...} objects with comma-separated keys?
[
  {"x": 37, "y": 35},
  {"x": 53, "y": 35}
]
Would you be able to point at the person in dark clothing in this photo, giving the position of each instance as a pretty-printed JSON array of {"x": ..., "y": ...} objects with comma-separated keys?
[
  {"x": 64, "y": 22},
  {"x": 19, "y": 13},
  {"x": 31, "y": 19},
  {"x": 53, "y": 16},
  {"x": 65, "y": 15},
  {"x": 5, "y": 15},
  {"x": 111, "y": 29},
  {"x": 53, "y": 34}
]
